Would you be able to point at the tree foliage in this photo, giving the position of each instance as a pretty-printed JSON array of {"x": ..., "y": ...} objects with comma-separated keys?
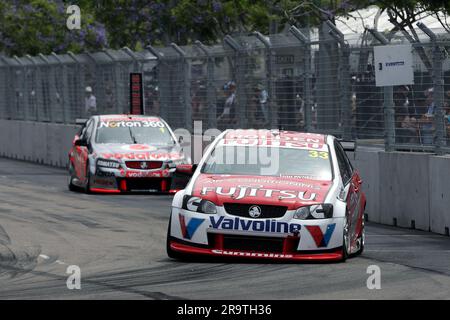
[{"x": 39, "y": 26}]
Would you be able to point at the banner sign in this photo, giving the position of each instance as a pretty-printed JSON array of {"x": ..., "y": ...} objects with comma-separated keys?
[
  {"x": 393, "y": 65},
  {"x": 136, "y": 94}
]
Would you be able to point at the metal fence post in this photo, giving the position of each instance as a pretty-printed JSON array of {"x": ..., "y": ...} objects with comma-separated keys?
[
  {"x": 25, "y": 95},
  {"x": 187, "y": 87},
  {"x": 388, "y": 103},
  {"x": 307, "y": 75},
  {"x": 7, "y": 92},
  {"x": 117, "y": 92},
  {"x": 36, "y": 89},
  {"x": 389, "y": 118},
  {"x": 164, "y": 89},
  {"x": 64, "y": 94},
  {"x": 240, "y": 83},
  {"x": 210, "y": 91},
  {"x": 344, "y": 68},
  {"x": 270, "y": 81},
  {"x": 51, "y": 110},
  {"x": 438, "y": 90},
  {"x": 438, "y": 98},
  {"x": 79, "y": 93}
]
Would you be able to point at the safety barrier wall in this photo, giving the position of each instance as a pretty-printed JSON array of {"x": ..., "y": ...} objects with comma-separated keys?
[
  {"x": 45, "y": 143},
  {"x": 404, "y": 189},
  {"x": 410, "y": 190}
]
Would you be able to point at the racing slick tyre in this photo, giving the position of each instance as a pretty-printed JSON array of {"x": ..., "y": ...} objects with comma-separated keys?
[
  {"x": 70, "y": 184},
  {"x": 345, "y": 243},
  {"x": 361, "y": 240}
]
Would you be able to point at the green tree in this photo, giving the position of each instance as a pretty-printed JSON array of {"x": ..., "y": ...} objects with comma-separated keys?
[{"x": 39, "y": 26}]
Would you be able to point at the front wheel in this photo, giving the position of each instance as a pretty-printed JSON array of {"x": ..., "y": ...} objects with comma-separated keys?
[
  {"x": 345, "y": 242},
  {"x": 361, "y": 240},
  {"x": 70, "y": 184}
]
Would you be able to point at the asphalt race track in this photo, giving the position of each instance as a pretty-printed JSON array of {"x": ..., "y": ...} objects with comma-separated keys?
[{"x": 118, "y": 241}]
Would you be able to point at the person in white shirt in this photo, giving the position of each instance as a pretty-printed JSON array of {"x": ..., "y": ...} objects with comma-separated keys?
[{"x": 90, "y": 102}]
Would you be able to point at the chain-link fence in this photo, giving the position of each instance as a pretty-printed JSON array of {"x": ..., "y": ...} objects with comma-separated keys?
[{"x": 291, "y": 81}]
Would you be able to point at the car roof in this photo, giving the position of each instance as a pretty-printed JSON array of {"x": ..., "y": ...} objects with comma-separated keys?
[{"x": 283, "y": 138}]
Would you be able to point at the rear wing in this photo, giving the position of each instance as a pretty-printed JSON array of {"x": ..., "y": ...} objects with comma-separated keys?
[
  {"x": 348, "y": 145},
  {"x": 80, "y": 122}
]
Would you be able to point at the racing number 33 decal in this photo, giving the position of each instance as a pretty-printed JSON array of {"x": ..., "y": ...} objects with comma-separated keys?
[{"x": 318, "y": 154}]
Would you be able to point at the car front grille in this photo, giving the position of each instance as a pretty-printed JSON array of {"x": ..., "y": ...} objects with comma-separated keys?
[
  {"x": 267, "y": 211},
  {"x": 144, "y": 165}
]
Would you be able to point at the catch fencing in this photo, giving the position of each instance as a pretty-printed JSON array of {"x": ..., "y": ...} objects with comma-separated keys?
[{"x": 320, "y": 81}]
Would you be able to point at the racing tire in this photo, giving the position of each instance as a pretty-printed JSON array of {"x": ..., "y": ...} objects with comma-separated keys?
[
  {"x": 361, "y": 239},
  {"x": 345, "y": 243}
]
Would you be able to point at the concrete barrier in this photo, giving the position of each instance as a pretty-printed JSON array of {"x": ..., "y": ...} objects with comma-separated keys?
[
  {"x": 367, "y": 163},
  {"x": 40, "y": 142},
  {"x": 402, "y": 188},
  {"x": 439, "y": 168}
]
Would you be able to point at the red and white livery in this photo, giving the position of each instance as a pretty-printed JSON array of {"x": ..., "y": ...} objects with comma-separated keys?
[
  {"x": 122, "y": 153},
  {"x": 269, "y": 194}
]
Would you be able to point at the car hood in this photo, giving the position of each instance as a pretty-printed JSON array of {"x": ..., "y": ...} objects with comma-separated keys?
[
  {"x": 119, "y": 151},
  {"x": 291, "y": 192}
]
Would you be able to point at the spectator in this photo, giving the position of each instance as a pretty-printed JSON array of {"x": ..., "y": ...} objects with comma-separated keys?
[
  {"x": 229, "y": 111},
  {"x": 263, "y": 102},
  {"x": 90, "y": 102},
  {"x": 426, "y": 121},
  {"x": 409, "y": 128}
]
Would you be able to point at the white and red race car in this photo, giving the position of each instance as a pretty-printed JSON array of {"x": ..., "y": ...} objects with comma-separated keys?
[
  {"x": 269, "y": 194},
  {"x": 121, "y": 153}
]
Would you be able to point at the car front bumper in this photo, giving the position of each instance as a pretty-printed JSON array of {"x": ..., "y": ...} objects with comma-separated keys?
[{"x": 224, "y": 235}]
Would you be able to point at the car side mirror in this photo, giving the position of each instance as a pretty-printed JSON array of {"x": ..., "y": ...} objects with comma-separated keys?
[
  {"x": 186, "y": 169},
  {"x": 81, "y": 143}
]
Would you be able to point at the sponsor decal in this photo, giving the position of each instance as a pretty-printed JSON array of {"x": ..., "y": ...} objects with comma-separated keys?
[
  {"x": 267, "y": 225},
  {"x": 138, "y": 147},
  {"x": 103, "y": 182},
  {"x": 321, "y": 239},
  {"x": 252, "y": 254},
  {"x": 147, "y": 174},
  {"x": 273, "y": 143},
  {"x": 241, "y": 192},
  {"x": 188, "y": 230},
  {"x": 104, "y": 174},
  {"x": 130, "y": 124},
  {"x": 275, "y": 181},
  {"x": 274, "y": 139},
  {"x": 143, "y": 156}
]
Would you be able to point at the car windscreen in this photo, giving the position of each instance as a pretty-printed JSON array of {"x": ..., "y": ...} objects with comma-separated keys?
[
  {"x": 133, "y": 131},
  {"x": 269, "y": 161}
]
